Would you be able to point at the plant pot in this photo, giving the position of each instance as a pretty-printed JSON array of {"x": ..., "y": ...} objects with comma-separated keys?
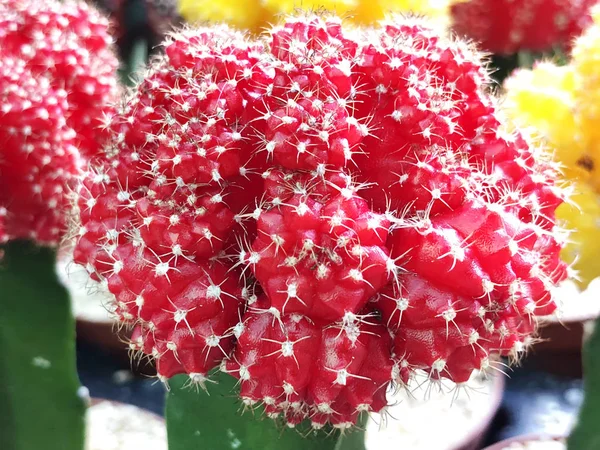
[
  {"x": 559, "y": 351},
  {"x": 119, "y": 426},
  {"x": 441, "y": 422},
  {"x": 531, "y": 442}
]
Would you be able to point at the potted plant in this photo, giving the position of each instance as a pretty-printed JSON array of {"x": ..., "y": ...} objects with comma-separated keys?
[
  {"x": 302, "y": 222},
  {"x": 280, "y": 219}
]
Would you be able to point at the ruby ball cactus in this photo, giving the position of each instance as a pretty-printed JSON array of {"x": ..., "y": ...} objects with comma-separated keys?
[
  {"x": 320, "y": 213},
  {"x": 57, "y": 83},
  {"x": 509, "y": 26}
]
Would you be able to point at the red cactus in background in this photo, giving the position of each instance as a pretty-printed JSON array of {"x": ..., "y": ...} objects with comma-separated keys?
[
  {"x": 508, "y": 26},
  {"x": 57, "y": 83}
]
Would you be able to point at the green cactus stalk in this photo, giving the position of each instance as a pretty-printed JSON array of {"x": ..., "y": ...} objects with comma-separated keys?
[
  {"x": 199, "y": 420},
  {"x": 40, "y": 396}
]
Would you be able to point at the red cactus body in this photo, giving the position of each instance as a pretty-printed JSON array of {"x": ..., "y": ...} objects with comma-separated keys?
[
  {"x": 57, "y": 79},
  {"x": 70, "y": 44},
  {"x": 508, "y": 26},
  {"x": 39, "y": 158},
  {"x": 331, "y": 210}
]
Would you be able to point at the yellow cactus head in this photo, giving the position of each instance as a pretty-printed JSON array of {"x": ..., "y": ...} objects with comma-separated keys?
[
  {"x": 543, "y": 99},
  {"x": 582, "y": 215},
  {"x": 256, "y": 14},
  {"x": 242, "y": 14},
  {"x": 343, "y": 8},
  {"x": 586, "y": 66},
  {"x": 373, "y": 10}
]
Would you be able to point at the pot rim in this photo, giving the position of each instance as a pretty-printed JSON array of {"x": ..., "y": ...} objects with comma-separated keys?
[
  {"x": 496, "y": 395},
  {"x": 529, "y": 437}
]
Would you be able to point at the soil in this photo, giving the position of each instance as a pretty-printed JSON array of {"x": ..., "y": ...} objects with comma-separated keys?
[
  {"x": 117, "y": 426},
  {"x": 432, "y": 415}
]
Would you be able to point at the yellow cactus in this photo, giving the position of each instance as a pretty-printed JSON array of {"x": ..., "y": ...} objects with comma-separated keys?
[
  {"x": 242, "y": 14},
  {"x": 586, "y": 66},
  {"x": 257, "y": 14},
  {"x": 342, "y": 7},
  {"x": 369, "y": 11},
  {"x": 549, "y": 101},
  {"x": 582, "y": 214},
  {"x": 543, "y": 99}
]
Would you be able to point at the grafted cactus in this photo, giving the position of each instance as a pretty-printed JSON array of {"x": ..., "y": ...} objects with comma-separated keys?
[{"x": 321, "y": 212}]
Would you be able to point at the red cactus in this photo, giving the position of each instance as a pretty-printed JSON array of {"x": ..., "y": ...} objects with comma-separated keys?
[
  {"x": 373, "y": 216},
  {"x": 57, "y": 79},
  {"x": 38, "y": 156},
  {"x": 508, "y": 26},
  {"x": 70, "y": 44}
]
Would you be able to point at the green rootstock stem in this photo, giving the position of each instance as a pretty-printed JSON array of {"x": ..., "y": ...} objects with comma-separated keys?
[
  {"x": 138, "y": 57},
  {"x": 216, "y": 421},
  {"x": 586, "y": 435},
  {"x": 40, "y": 408}
]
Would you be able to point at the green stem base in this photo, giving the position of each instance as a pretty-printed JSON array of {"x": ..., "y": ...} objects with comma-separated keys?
[{"x": 40, "y": 408}]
